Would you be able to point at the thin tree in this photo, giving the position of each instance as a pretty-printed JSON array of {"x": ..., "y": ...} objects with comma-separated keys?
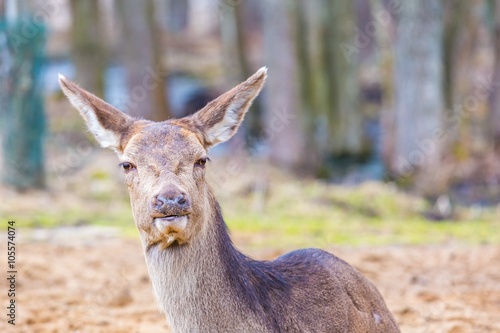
[
  {"x": 176, "y": 14},
  {"x": 236, "y": 63},
  {"x": 419, "y": 92},
  {"x": 141, "y": 53},
  {"x": 88, "y": 50},
  {"x": 328, "y": 80},
  {"x": 313, "y": 84},
  {"x": 454, "y": 16},
  {"x": 284, "y": 126},
  {"x": 385, "y": 45},
  {"x": 344, "y": 117},
  {"x": 22, "y": 115},
  {"x": 495, "y": 95}
]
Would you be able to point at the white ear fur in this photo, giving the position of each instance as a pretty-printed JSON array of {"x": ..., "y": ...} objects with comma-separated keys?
[
  {"x": 224, "y": 130},
  {"x": 88, "y": 105},
  {"x": 230, "y": 108}
]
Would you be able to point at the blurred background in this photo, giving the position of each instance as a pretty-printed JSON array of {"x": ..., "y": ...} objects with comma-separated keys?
[
  {"x": 379, "y": 124},
  {"x": 399, "y": 93},
  {"x": 401, "y": 98}
]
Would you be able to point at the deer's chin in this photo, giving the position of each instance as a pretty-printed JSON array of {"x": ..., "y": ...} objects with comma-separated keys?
[{"x": 172, "y": 229}]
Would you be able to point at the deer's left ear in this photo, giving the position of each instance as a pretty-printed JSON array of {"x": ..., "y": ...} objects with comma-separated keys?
[
  {"x": 105, "y": 122},
  {"x": 219, "y": 120}
]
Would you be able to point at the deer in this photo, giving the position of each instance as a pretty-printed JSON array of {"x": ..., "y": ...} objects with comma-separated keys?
[{"x": 201, "y": 282}]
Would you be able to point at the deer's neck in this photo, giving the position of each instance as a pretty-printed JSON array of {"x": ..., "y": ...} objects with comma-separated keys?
[{"x": 206, "y": 284}]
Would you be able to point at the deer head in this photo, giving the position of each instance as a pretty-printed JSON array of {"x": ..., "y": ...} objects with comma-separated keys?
[{"x": 164, "y": 162}]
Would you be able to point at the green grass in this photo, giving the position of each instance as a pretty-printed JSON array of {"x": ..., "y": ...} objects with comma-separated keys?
[
  {"x": 294, "y": 214},
  {"x": 372, "y": 214},
  {"x": 74, "y": 217},
  {"x": 335, "y": 227}
]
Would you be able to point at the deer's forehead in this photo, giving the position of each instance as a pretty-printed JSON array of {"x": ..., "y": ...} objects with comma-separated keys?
[{"x": 164, "y": 142}]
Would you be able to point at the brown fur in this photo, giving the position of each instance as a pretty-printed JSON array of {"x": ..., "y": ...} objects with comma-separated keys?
[{"x": 201, "y": 281}]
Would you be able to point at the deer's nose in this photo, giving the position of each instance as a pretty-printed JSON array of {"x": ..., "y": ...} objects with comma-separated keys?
[
  {"x": 171, "y": 202},
  {"x": 162, "y": 200}
]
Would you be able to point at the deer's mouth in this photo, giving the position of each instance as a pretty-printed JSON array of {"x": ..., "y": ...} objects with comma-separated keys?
[
  {"x": 172, "y": 228},
  {"x": 171, "y": 217},
  {"x": 171, "y": 224}
]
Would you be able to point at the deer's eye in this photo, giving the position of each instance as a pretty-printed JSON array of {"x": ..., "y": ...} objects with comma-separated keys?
[
  {"x": 201, "y": 162},
  {"x": 127, "y": 166}
]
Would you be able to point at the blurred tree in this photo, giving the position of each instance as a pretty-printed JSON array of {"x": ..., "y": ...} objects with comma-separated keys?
[
  {"x": 459, "y": 36},
  {"x": 455, "y": 14},
  {"x": 311, "y": 75},
  {"x": 419, "y": 92},
  {"x": 177, "y": 14},
  {"x": 22, "y": 115},
  {"x": 495, "y": 95},
  {"x": 386, "y": 67},
  {"x": 283, "y": 121},
  {"x": 141, "y": 53},
  {"x": 463, "y": 42},
  {"x": 4, "y": 71},
  {"x": 328, "y": 81},
  {"x": 236, "y": 63},
  {"x": 344, "y": 117},
  {"x": 88, "y": 47},
  {"x": 312, "y": 45}
]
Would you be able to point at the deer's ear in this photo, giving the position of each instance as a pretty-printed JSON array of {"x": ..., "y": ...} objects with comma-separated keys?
[
  {"x": 105, "y": 122},
  {"x": 220, "y": 118}
]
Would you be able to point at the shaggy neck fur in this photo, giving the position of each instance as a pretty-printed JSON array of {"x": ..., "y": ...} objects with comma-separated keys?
[{"x": 208, "y": 286}]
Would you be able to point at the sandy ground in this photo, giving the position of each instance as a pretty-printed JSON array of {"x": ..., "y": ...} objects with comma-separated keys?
[{"x": 100, "y": 284}]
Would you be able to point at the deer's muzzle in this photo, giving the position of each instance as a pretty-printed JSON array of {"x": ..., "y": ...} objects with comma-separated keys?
[{"x": 171, "y": 202}]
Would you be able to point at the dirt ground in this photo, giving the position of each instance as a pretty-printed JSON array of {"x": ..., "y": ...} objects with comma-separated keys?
[{"x": 100, "y": 284}]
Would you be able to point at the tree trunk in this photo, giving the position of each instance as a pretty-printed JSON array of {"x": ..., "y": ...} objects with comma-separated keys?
[
  {"x": 177, "y": 15},
  {"x": 328, "y": 81},
  {"x": 282, "y": 120},
  {"x": 236, "y": 63},
  {"x": 141, "y": 55},
  {"x": 386, "y": 67},
  {"x": 88, "y": 48},
  {"x": 495, "y": 96},
  {"x": 4, "y": 79},
  {"x": 455, "y": 14},
  {"x": 23, "y": 119},
  {"x": 312, "y": 80},
  {"x": 344, "y": 118},
  {"x": 418, "y": 92}
]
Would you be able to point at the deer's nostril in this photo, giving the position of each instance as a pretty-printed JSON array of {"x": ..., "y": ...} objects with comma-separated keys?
[
  {"x": 163, "y": 202},
  {"x": 181, "y": 200},
  {"x": 159, "y": 202}
]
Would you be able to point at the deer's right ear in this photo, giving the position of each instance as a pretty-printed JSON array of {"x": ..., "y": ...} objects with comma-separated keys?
[{"x": 104, "y": 121}]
